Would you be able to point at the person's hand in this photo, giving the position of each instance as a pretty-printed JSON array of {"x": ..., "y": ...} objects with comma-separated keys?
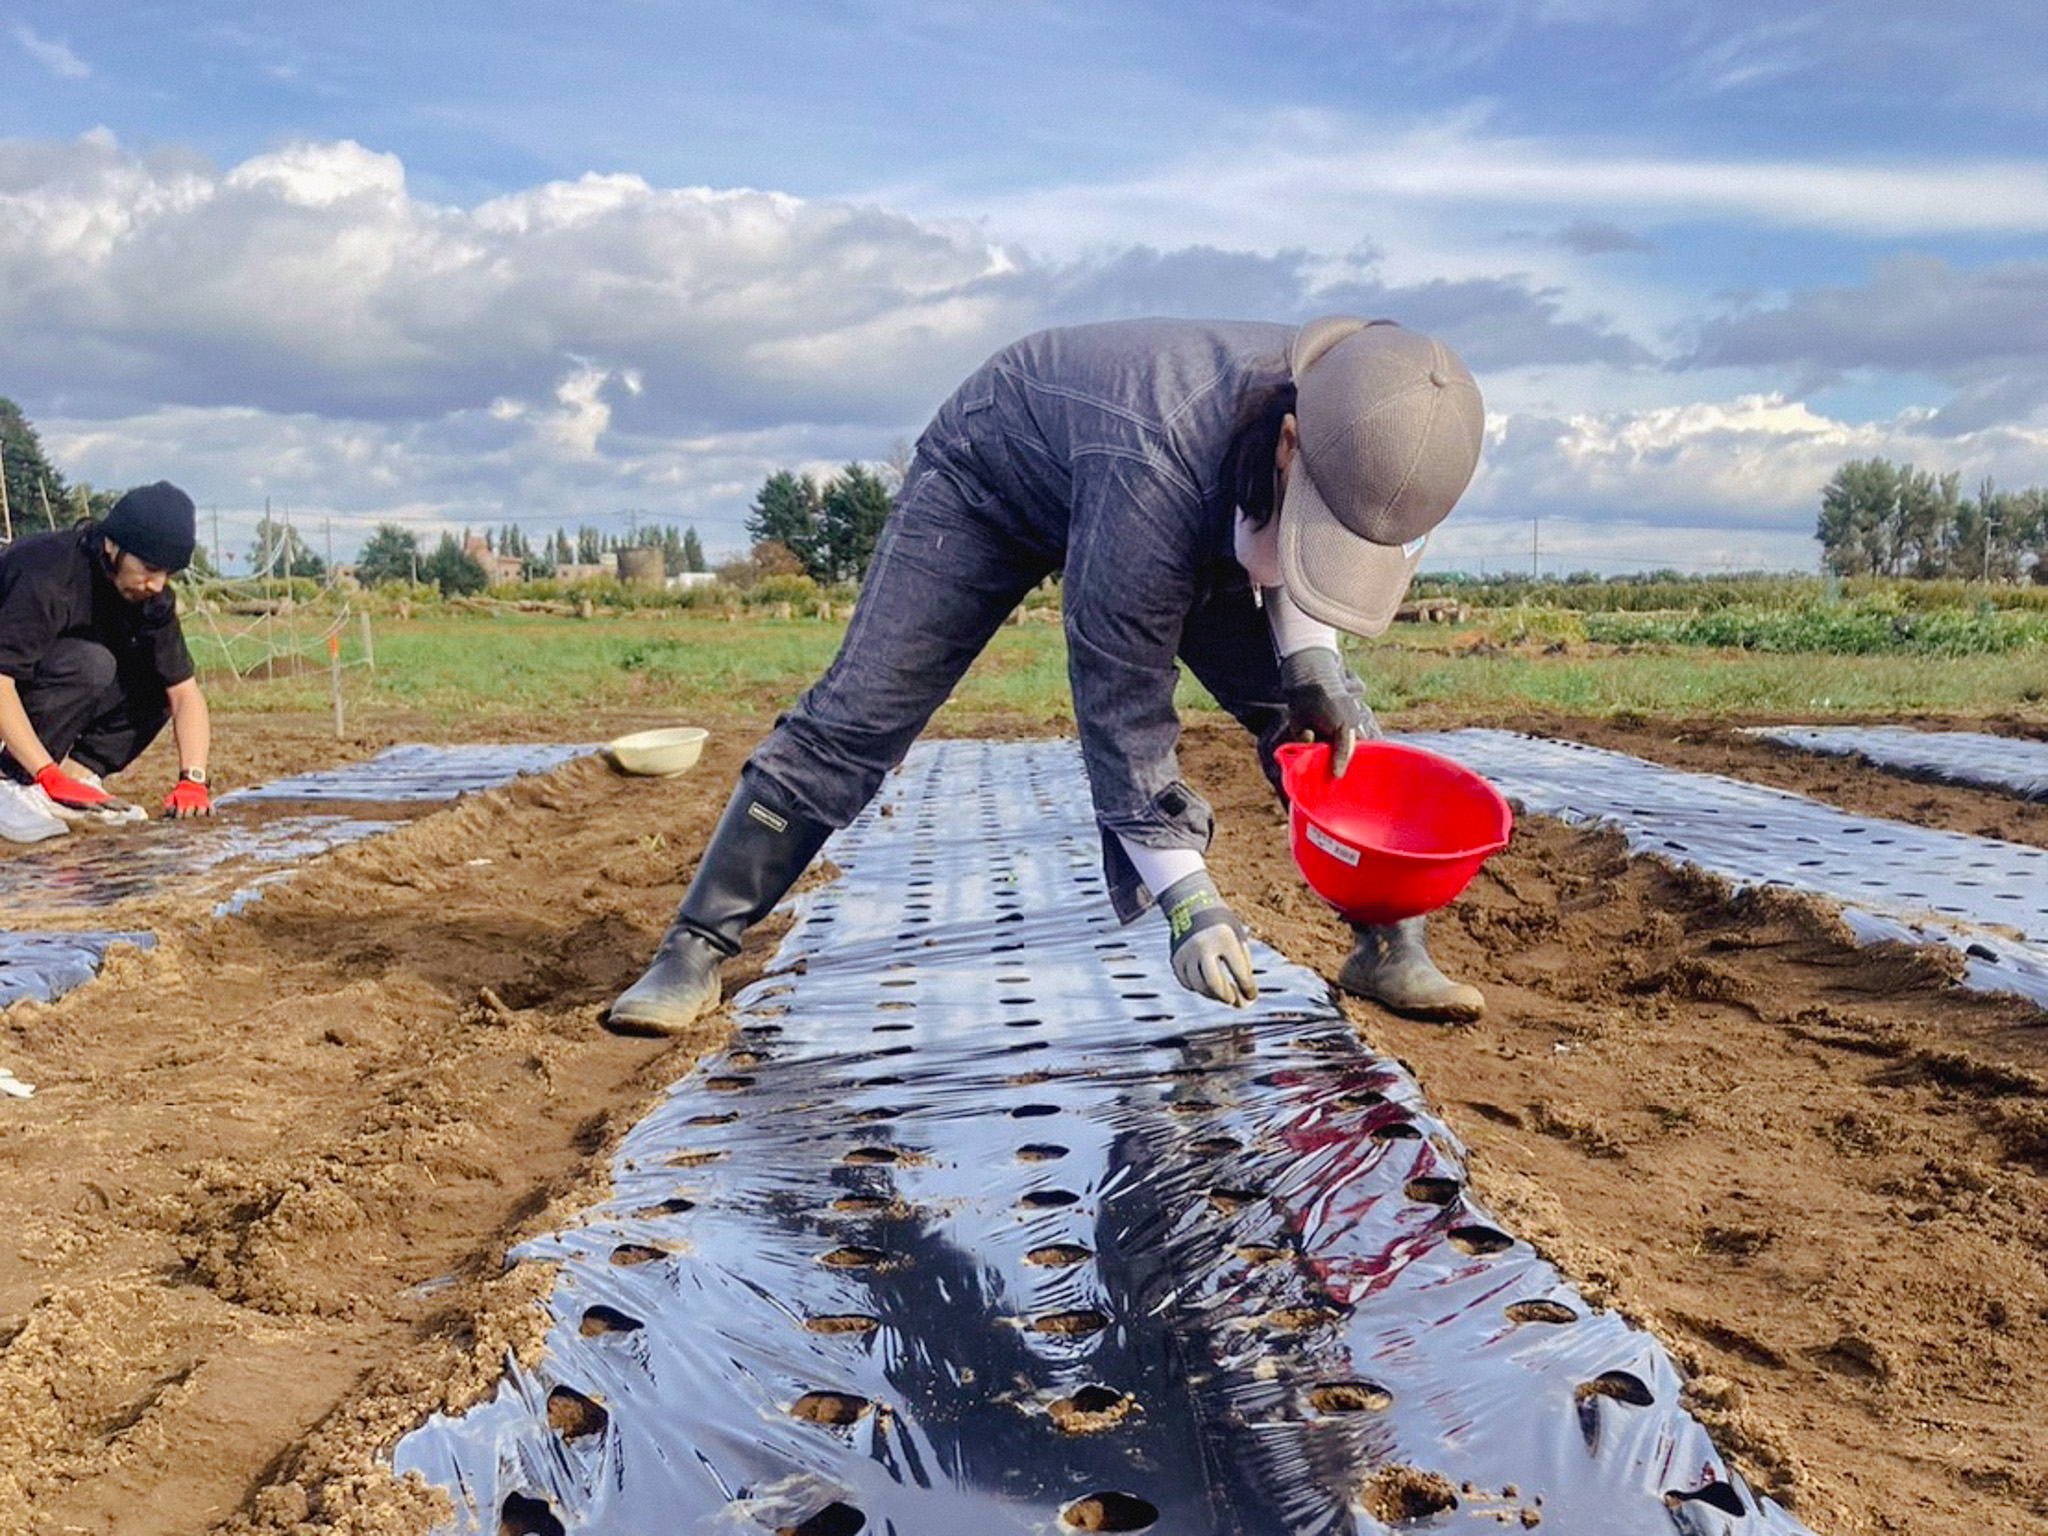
[
  {"x": 68, "y": 793},
  {"x": 188, "y": 797},
  {"x": 1321, "y": 704},
  {"x": 1211, "y": 950}
]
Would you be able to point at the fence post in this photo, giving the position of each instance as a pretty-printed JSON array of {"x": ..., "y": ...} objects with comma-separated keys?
[{"x": 334, "y": 672}]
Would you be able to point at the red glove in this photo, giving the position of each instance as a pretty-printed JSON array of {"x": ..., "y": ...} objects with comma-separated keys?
[
  {"x": 188, "y": 797},
  {"x": 68, "y": 792}
]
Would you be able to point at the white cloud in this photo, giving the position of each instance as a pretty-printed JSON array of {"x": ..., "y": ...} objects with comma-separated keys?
[
  {"x": 303, "y": 327},
  {"x": 1982, "y": 332},
  {"x": 54, "y": 56},
  {"x": 1326, "y": 181},
  {"x": 1750, "y": 467}
]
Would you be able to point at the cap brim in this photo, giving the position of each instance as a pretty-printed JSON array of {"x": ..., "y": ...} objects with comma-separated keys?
[{"x": 1334, "y": 575}]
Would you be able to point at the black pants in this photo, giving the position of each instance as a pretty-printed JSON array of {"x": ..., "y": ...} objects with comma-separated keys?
[{"x": 87, "y": 706}]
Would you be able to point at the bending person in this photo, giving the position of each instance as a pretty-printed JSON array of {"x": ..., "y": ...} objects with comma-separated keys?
[
  {"x": 93, "y": 663},
  {"x": 1224, "y": 494}
]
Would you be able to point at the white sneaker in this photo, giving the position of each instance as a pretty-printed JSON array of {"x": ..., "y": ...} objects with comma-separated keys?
[{"x": 26, "y": 815}]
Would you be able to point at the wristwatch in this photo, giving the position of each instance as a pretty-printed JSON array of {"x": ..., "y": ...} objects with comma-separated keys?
[{"x": 192, "y": 776}]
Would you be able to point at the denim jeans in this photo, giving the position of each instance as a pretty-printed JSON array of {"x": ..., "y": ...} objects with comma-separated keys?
[
  {"x": 1096, "y": 453},
  {"x": 941, "y": 583}
]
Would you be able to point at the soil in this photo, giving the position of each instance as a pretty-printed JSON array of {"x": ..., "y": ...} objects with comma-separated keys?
[{"x": 260, "y": 1201}]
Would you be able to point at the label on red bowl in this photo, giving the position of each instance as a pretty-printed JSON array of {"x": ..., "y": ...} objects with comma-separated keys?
[{"x": 1330, "y": 845}]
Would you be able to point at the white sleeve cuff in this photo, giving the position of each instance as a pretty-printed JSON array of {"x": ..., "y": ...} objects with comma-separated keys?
[{"x": 1160, "y": 867}]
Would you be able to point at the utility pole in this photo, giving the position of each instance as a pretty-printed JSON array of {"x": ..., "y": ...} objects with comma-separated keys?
[
  {"x": 1535, "y": 546},
  {"x": 220, "y": 556},
  {"x": 6, "y": 514}
]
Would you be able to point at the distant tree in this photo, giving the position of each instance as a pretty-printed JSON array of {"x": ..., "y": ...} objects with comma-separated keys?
[
  {"x": 452, "y": 569},
  {"x": 896, "y": 468},
  {"x": 768, "y": 557},
  {"x": 1882, "y": 519},
  {"x": 89, "y": 502},
  {"x": 280, "y": 550},
  {"x": 1928, "y": 505},
  {"x": 856, "y": 505},
  {"x": 35, "y": 491},
  {"x": 390, "y": 554},
  {"x": 693, "y": 550},
  {"x": 589, "y": 546},
  {"x": 787, "y": 511}
]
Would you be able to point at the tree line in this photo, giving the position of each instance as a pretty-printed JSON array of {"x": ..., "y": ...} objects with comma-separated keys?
[
  {"x": 1883, "y": 519},
  {"x": 394, "y": 554},
  {"x": 826, "y": 532}
]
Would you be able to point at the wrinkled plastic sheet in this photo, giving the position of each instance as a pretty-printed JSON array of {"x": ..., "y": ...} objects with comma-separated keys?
[
  {"x": 44, "y": 966},
  {"x": 1983, "y": 896},
  {"x": 418, "y": 772},
  {"x": 93, "y": 870},
  {"x": 97, "y": 869},
  {"x": 976, "y": 1166},
  {"x": 1953, "y": 757}
]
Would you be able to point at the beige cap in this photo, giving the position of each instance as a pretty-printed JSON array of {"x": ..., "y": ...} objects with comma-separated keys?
[{"x": 1390, "y": 426}]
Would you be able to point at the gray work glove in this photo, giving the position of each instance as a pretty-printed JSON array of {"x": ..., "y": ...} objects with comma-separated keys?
[
  {"x": 1211, "y": 948},
  {"x": 1322, "y": 705}
]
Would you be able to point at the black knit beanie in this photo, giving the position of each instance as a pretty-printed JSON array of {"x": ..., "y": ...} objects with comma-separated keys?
[{"x": 155, "y": 524}]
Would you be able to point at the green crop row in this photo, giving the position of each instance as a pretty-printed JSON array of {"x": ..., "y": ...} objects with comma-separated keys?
[{"x": 1842, "y": 629}]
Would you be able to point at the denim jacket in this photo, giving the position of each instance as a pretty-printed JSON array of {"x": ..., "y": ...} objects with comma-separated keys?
[{"x": 1101, "y": 447}]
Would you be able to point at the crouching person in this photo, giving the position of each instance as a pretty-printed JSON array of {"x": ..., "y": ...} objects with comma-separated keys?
[{"x": 93, "y": 664}]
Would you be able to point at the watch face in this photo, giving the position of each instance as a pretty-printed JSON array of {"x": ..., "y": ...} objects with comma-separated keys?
[{"x": 193, "y": 775}]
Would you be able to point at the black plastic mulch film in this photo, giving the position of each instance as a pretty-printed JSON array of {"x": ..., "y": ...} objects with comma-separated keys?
[
  {"x": 44, "y": 966},
  {"x": 984, "y": 1225},
  {"x": 417, "y": 771},
  {"x": 234, "y": 857},
  {"x": 1954, "y": 757},
  {"x": 1981, "y": 896}
]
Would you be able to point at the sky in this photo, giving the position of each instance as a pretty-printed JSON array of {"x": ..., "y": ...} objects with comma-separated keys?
[{"x": 462, "y": 264}]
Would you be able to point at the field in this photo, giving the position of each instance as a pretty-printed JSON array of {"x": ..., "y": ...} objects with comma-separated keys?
[{"x": 260, "y": 1200}]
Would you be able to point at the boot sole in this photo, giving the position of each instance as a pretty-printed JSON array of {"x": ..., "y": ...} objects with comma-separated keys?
[
  {"x": 654, "y": 1026},
  {"x": 1426, "y": 1013}
]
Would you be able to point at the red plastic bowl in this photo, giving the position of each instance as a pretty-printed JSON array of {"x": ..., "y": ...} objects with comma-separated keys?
[{"x": 1400, "y": 834}]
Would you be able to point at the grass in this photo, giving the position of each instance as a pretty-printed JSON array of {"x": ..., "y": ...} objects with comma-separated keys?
[{"x": 463, "y": 666}]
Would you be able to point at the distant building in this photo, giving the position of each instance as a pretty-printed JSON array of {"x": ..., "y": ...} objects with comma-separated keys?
[{"x": 498, "y": 569}]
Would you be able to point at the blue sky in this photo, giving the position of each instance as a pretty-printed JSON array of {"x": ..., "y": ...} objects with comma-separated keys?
[{"x": 458, "y": 263}]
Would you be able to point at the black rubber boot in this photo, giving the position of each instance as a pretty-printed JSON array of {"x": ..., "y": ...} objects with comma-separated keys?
[
  {"x": 1391, "y": 966},
  {"x": 756, "y": 855}
]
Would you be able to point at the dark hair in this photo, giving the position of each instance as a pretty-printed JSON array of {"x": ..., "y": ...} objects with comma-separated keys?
[{"x": 1247, "y": 474}]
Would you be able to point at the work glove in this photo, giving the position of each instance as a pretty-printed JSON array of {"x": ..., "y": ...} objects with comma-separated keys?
[
  {"x": 188, "y": 797},
  {"x": 1211, "y": 950},
  {"x": 1322, "y": 706},
  {"x": 69, "y": 794}
]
